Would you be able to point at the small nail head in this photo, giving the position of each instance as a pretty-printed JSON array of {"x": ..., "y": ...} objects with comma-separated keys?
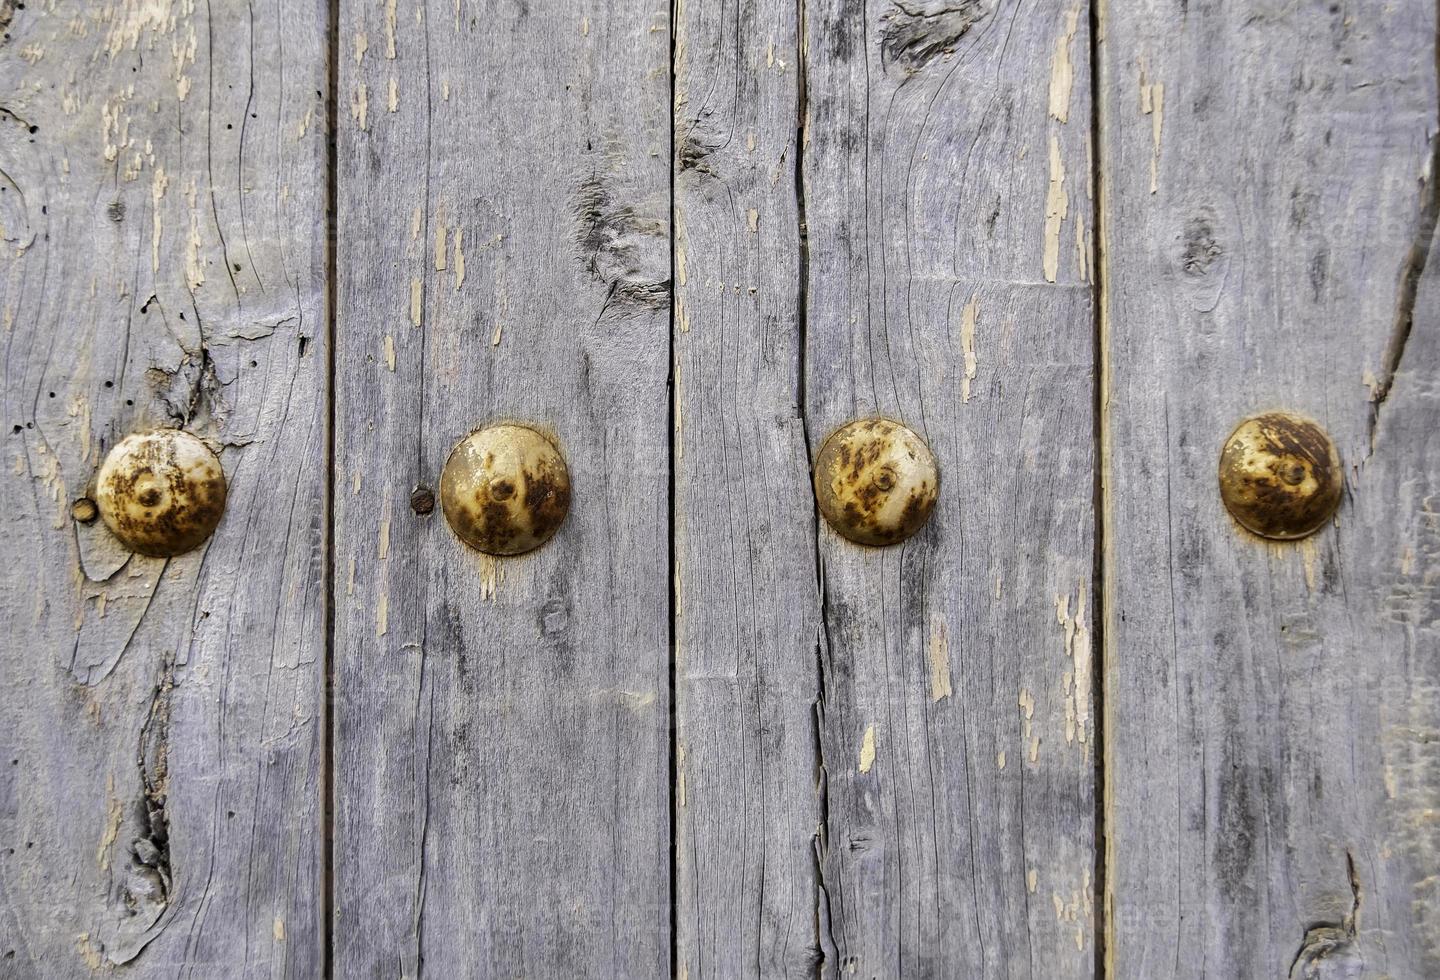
[
  {"x": 422, "y": 500},
  {"x": 505, "y": 489},
  {"x": 1280, "y": 476},
  {"x": 84, "y": 510},
  {"x": 876, "y": 481},
  {"x": 161, "y": 493}
]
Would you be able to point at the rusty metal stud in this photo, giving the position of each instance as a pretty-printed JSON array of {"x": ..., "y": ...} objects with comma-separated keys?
[
  {"x": 1280, "y": 475},
  {"x": 422, "y": 500},
  {"x": 505, "y": 489},
  {"x": 161, "y": 493},
  {"x": 876, "y": 481}
]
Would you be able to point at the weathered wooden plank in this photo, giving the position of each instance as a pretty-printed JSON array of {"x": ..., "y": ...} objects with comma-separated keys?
[
  {"x": 946, "y": 191},
  {"x": 162, "y": 186},
  {"x": 1395, "y": 536},
  {"x": 502, "y": 727},
  {"x": 1271, "y": 767},
  {"x": 747, "y": 596}
]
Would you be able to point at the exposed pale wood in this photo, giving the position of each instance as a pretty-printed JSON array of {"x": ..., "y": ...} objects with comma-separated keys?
[
  {"x": 502, "y": 740},
  {"x": 747, "y": 596},
  {"x": 956, "y": 735},
  {"x": 162, "y": 192},
  {"x": 1271, "y": 753}
]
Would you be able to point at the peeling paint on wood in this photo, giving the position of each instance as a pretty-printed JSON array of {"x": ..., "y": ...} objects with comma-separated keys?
[
  {"x": 867, "y": 749},
  {"x": 968, "y": 318},
  {"x": 939, "y": 658}
]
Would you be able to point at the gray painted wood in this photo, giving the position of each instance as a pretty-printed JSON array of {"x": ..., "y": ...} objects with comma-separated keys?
[
  {"x": 747, "y": 597},
  {"x": 502, "y": 785},
  {"x": 884, "y": 759},
  {"x": 1396, "y": 531},
  {"x": 1270, "y": 709},
  {"x": 946, "y": 191},
  {"x": 162, "y": 190}
]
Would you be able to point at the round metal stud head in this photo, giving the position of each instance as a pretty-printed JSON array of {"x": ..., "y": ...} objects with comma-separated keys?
[
  {"x": 1280, "y": 476},
  {"x": 505, "y": 489},
  {"x": 422, "y": 500},
  {"x": 161, "y": 493},
  {"x": 876, "y": 481}
]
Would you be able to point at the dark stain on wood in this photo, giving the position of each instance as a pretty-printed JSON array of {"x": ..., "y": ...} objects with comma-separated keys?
[{"x": 849, "y": 24}]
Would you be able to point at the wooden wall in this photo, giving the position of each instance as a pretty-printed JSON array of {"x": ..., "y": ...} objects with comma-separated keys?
[{"x": 1082, "y": 724}]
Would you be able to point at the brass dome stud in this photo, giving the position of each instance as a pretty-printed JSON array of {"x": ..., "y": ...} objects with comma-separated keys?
[
  {"x": 876, "y": 481},
  {"x": 161, "y": 493},
  {"x": 1280, "y": 476},
  {"x": 505, "y": 489}
]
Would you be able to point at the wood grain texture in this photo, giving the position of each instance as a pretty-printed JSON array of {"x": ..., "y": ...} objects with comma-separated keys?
[
  {"x": 502, "y": 727},
  {"x": 1396, "y": 530},
  {"x": 747, "y": 595},
  {"x": 1270, "y": 708},
  {"x": 162, "y": 192},
  {"x": 947, "y": 201}
]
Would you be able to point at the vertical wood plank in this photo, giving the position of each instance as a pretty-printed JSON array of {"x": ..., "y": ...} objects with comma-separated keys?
[
  {"x": 1270, "y": 708},
  {"x": 947, "y": 195},
  {"x": 502, "y": 740},
  {"x": 162, "y": 189},
  {"x": 747, "y": 597}
]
